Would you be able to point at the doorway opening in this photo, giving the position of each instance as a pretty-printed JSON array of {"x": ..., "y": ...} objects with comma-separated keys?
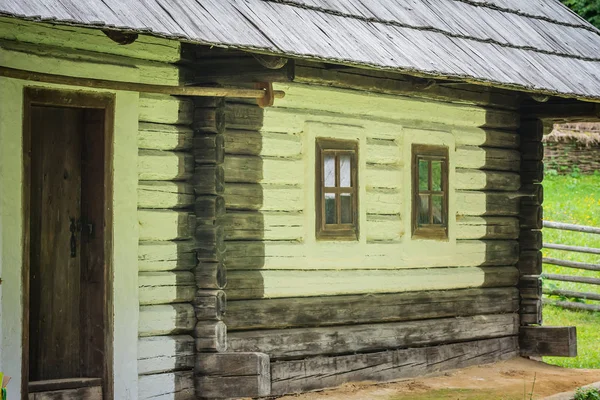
[{"x": 67, "y": 283}]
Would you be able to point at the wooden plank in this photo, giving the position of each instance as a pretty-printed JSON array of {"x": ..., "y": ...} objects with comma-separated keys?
[
  {"x": 166, "y": 256},
  {"x": 158, "y": 225},
  {"x": 280, "y": 284},
  {"x": 166, "y": 287},
  {"x": 161, "y": 320},
  {"x": 486, "y": 138},
  {"x": 211, "y": 336},
  {"x": 531, "y": 217},
  {"x": 164, "y": 137},
  {"x": 322, "y": 372},
  {"x": 210, "y": 305},
  {"x": 249, "y": 169},
  {"x": 487, "y": 158},
  {"x": 306, "y": 342},
  {"x": 577, "y": 249},
  {"x": 530, "y": 239},
  {"x": 233, "y": 375},
  {"x": 571, "y": 264},
  {"x": 156, "y": 165},
  {"x": 211, "y": 275},
  {"x": 473, "y": 203},
  {"x": 164, "y": 194},
  {"x": 530, "y": 262},
  {"x": 63, "y": 384},
  {"x": 160, "y": 354},
  {"x": 169, "y": 386},
  {"x": 85, "y": 393},
  {"x": 475, "y": 179},
  {"x": 268, "y": 144},
  {"x": 165, "y": 109},
  {"x": 487, "y": 227},
  {"x": 548, "y": 341},
  {"x": 367, "y": 308}
]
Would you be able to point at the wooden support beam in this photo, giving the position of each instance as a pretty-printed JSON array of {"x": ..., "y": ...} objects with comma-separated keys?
[
  {"x": 548, "y": 341},
  {"x": 563, "y": 111}
]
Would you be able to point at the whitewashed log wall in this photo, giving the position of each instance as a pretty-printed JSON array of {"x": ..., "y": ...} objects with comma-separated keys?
[
  {"x": 295, "y": 298},
  {"x": 167, "y": 257}
]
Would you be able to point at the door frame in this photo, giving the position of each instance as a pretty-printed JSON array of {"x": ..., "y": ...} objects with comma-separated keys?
[{"x": 37, "y": 96}]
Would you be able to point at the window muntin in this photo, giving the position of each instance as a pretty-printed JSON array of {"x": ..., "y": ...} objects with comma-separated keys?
[
  {"x": 430, "y": 192},
  {"x": 337, "y": 189}
]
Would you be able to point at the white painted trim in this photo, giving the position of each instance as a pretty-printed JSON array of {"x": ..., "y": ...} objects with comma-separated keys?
[{"x": 125, "y": 236}]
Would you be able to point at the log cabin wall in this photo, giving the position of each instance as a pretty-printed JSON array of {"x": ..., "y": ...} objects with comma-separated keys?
[{"x": 328, "y": 312}]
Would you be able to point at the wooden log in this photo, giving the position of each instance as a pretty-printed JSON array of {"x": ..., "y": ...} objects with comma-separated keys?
[
  {"x": 157, "y": 225},
  {"x": 385, "y": 82},
  {"x": 577, "y": 249},
  {"x": 166, "y": 287},
  {"x": 487, "y": 204},
  {"x": 172, "y": 319},
  {"x": 161, "y": 194},
  {"x": 164, "y": 137},
  {"x": 534, "y": 195},
  {"x": 572, "y": 294},
  {"x": 233, "y": 375},
  {"x": 166, "y": 256},
  {"x": 383, "y": 151},
  {"x": 264, "y": 225},
  {"x": 571, "y": 227},
  {"x": 160, "y": 354},
  {"x": 156, "y": 165},
  {"x": 208, "y": 179},
  {"x": 210, "y": 233},
  {"x": 384, "y": 228},
  {"x": 173, "y": 385},
  {"x": 322, "y": 372},
  {"x": 239, "y": 69},
  {"x": 210, "y": 252},
  {"x": 268, "y": 144},
  {"x": 487, "y": 227},
  {"x": 548, "y": 341},
  {"x": 368, "y": 308},
  {"x": 300, "y": 343},
  {"x": 530, "y": 287},
  {"x": 572, "y": 264},
  {"x": 531, "y": 130},
  {"x": 255, "y": 197},
  {"x": 209, "y": 149},
  {"x": 569, "y": 305},
  {"x": 486, "y": 138},
  {"x": 245, "y": 285},
  {"x": 570, "y": 278},
  {"x": 531, "y": 217},
  {"x": 209, "y": 207},
  {"x": 532, "y": 151},
  {"x": 210, "y": 305},
  {"x": 532, "y": 172},
  {"x": 211, "y": 275},
  {"x": 530, "y": 262},
  {"x": 249, "y": 169},
  {"x": 531, "y": 312},
  {"x": 210, "y": 120},
  {"x": 487, "y": 158},
  {"x": 530, "y": 239},
  {"x": 165, "y": 109},
  {"x": 211, "y": 336},
  {"x": 382, "y": 201},
  {"x": 474, "y": 179},
  {"x": 243, "y": 116}
]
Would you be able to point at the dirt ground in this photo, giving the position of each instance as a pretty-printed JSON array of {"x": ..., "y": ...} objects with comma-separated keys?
[{"x": 506, "y": 380}]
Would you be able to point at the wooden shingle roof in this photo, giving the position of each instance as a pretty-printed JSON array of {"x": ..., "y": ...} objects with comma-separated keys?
[{"x": 532, "y": 45}]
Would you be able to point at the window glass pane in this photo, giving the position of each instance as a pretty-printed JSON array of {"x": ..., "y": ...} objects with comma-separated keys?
[
  {"x": 423, "y": 209},
  {"x": 436, "y": 175},
  {"x": 330, "y": 209},
  {"x": 346, "y": 205},
  {"x": 329, "y": 169},
  {"x": 345, "y": 170},
  {"x": 423, "y": 175},
  {"x": 438, "y": 210}
]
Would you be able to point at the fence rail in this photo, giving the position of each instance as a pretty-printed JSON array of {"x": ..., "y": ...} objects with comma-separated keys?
[{"x": 570, "y": 294}]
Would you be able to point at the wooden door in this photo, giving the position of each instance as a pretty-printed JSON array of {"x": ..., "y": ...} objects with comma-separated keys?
[{"x": 69, "y": 245}]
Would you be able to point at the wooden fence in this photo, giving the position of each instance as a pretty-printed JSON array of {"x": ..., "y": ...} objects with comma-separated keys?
[{"x": 569, "y": 294}]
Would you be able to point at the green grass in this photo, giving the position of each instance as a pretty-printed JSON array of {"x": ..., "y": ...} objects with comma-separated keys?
[{"x": 574, "y": 199}]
